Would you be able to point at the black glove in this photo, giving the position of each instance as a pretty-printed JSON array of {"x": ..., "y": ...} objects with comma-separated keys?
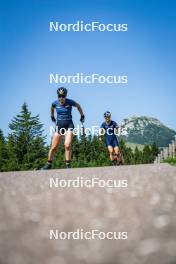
[
  {"x": 82, "y": 119},
  {"x": 53, "y": 119}
]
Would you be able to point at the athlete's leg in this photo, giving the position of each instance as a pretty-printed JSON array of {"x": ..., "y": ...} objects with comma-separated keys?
[
  {"x": 68, "y": 141},
  {"x": 116, "y": 150},
  {"x": 110, "y": 149},
  {"x": 55, "y": 142},
  {"x": 118, "y": 155}
]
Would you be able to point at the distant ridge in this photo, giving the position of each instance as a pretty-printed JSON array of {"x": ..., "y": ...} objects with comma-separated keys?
[{"x": 146, "y": 130}]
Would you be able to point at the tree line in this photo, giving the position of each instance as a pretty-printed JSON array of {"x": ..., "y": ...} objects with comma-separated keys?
[{"x": 25, "y": 147}]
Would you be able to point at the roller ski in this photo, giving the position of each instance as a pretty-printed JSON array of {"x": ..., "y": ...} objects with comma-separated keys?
[{"x": 47, "y": 166}]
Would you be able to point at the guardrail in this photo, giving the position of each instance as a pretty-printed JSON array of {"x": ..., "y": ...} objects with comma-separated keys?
[{"x": 167, "y": 152}]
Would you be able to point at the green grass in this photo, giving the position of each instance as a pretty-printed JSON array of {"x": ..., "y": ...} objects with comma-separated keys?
[
  {"x": 171, "y": 161},
  {"x": 133, "y": 145}
]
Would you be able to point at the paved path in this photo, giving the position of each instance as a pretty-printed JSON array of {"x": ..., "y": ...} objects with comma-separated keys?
[{"x": 146, "y": 210}]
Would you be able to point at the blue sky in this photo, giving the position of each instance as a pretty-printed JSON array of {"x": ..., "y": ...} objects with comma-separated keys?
[{"x": 29, "y": 52}]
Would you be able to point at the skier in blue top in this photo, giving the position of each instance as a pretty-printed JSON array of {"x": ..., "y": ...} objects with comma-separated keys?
[
  {"x": 64, "y": 125},
  {"x": 110, "y": 129}
]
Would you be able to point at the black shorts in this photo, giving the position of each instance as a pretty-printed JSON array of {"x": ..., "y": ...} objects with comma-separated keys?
[
  {"x": 64, "y": 125},
  {"x": 111, "y": 141}
]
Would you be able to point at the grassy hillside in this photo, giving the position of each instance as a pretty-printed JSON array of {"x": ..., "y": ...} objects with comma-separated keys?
[{"x": 134, "y": 145}]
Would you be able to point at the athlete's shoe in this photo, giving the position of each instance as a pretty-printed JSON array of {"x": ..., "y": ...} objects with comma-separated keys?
[
  {"x": 68, "y": 164},
  {"x": 47, "y": 166}
]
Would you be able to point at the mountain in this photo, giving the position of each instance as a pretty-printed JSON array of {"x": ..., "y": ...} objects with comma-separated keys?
[{"x": 146, "y": 130}]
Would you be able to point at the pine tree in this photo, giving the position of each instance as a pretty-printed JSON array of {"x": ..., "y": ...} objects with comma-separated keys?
[
  {"x": 75, "y": 151},
  {"x": 26, "y": 141},
  {"x": 127, "y": 152},
  {"x": 58, "y": 161},
  {"x": 137, "y": 156},
  {"x": 147, "y": 156},
  {"x": 154, "y": 149},
  {"x": 12, "y": 156},
  {"x": 3, "y": 152}
]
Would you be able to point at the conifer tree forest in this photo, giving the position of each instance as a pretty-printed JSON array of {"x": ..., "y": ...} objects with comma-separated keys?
[{"x": 25, "y": 148}]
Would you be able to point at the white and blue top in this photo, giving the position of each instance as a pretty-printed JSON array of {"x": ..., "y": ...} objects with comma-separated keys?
[{"x": 64, "y": 112}]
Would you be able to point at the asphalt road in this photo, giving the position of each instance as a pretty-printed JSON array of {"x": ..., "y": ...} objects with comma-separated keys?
[{"x": 142, "y": 215}]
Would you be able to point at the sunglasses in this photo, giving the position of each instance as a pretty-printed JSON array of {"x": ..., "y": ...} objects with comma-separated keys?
[{"x": 61, "y": 96}]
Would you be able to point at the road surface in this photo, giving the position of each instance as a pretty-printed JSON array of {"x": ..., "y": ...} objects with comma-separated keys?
[{"x": 141, "y": 209}]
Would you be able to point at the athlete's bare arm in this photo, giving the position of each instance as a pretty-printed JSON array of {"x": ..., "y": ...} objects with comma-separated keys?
[
  {"x": 79, "y": 109},
  {"x": 52, "y": 111}
]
